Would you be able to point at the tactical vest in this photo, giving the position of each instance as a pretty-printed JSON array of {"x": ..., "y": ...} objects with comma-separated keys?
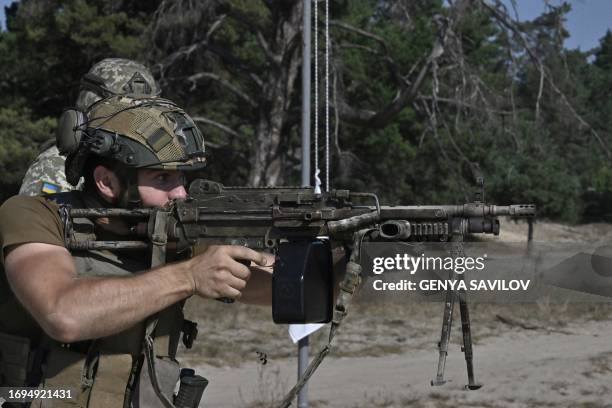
[{"x": 106, "y": 372}]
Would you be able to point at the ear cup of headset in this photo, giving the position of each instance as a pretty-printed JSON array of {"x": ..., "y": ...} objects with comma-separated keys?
[{"x": 69, "y": 131}]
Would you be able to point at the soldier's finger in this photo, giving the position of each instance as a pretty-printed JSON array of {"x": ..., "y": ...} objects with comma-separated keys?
[
  {"x": 247, "y": 254},
  {"x": 231, "y": 293},
  {"x": 239, "y": 270},
  {"x": 236, "y": 283},
  {"x": 270, "y": 258}
]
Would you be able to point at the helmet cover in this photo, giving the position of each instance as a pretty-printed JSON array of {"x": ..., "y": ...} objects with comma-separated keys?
[{"x": 149, "y": 133}]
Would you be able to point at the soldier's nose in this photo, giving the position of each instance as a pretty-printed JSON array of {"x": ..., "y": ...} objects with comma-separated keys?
[{"x": 178, "y": 192}]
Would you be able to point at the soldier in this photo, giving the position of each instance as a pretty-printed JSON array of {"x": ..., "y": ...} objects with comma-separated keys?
[
  {"x": 111, "y": 76},
  {"x": 84, "y": 318}
]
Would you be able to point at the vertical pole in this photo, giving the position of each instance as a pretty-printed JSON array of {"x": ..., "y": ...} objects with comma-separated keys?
[
  {"x": 306, "y": 95},
  {"x": 306, "y": 33},
  {"x": 302, "y": 364},
  {"x": 530, "y": 230}
]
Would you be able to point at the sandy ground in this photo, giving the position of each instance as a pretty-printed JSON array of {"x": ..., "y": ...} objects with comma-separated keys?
[
  {"x": 385, "y": 355},
  {"x": 518, "y": 370}
]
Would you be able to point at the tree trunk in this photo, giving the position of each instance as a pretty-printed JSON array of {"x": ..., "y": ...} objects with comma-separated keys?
[{"x": 284, "y": 59}]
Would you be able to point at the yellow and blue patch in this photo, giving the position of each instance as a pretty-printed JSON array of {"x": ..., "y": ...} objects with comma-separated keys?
[{"x": 49, "y": 188}]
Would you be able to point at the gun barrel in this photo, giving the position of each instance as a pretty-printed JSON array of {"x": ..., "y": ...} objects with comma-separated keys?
[
  {"x": 395, "y": 229},
  {"x": 516, "y": 210},
  {"x": 440, "y": 212}
]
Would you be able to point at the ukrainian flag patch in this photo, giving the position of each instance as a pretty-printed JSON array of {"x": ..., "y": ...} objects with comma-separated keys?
[{"x": 49, "y": 188}]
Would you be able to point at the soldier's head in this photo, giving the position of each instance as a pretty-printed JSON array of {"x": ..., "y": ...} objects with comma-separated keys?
[
  {"x": 115, "y": 76},
  {"x": 107, "y": 77},
  {"x": 132, "y": 151}
]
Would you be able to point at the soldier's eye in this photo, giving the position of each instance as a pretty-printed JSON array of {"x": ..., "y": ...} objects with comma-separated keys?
[{"x": 162, "y": 178}]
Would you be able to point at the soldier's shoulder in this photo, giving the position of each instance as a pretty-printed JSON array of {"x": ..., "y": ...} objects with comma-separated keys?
[
  {"x": 25, "y": 219},
  {"x": 17, "y": 204}
]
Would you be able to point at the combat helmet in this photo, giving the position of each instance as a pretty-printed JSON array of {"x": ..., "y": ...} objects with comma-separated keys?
[
  {"x": 115, "y": 76},
  {"x": 152, "y": 133},
  {"x": 110, "y": 76}
]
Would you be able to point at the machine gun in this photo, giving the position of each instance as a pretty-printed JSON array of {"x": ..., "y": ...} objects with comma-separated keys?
[{"x": 290, "y": 221}]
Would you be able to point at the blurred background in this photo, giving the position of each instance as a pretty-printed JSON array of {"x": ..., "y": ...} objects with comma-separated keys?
[{"x": 421, "y": 92}]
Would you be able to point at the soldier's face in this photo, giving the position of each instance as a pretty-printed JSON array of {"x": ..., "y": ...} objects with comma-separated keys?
[{"x": 157, "y": 187}]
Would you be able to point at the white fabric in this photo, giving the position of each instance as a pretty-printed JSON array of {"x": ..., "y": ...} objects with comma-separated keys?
[{"x": 299, "y": 331}]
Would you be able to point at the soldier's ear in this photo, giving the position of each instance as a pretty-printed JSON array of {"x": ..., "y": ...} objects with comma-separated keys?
[{"x": 107, "y": 183}]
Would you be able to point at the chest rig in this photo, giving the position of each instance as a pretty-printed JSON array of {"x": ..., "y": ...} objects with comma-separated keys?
[{"x": 134, "y": 368}]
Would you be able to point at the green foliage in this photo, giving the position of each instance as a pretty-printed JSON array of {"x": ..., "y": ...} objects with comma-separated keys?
[
  {"x": 545, "y": 182},
  {"x": 551, "y": 160},
  {"x": 20, "y": 139},
  {"x": 47, "y": 47},
  {"x": 50, "y": 44},
  {"x": 603, "y": 56}
]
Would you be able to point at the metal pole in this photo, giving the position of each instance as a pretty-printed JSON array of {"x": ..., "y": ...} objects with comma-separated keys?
[
  {"x": 302, "y": 364},
  {"x": 306, "y": 33},
  {"x": 306, "y": 95}
]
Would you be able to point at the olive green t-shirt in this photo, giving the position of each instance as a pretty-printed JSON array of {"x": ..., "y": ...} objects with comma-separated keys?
[{"x": 25, "y": 219}]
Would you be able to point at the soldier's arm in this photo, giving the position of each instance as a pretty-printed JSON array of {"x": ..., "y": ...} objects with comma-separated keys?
[{"x": 72, "y": 308}]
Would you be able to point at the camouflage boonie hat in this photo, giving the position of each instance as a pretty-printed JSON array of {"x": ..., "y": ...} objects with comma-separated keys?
[{"x": 115, "y": 76}]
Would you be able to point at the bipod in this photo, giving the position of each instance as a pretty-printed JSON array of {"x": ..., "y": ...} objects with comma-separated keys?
[
  {"x": 467, "y": 340},
  {"x": 447, "y": 322}
]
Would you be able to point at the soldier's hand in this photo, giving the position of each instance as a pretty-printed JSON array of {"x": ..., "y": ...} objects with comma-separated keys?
[{"x": 222, "y": 271}]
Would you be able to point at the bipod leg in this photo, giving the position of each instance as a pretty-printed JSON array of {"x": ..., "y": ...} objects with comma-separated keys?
[
  {"x": 447, "y": 322},
  {"x": 467, "y": 340}
]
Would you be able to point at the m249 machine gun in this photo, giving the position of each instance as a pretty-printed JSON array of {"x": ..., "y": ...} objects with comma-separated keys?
[{"x": 290, "y": 221}]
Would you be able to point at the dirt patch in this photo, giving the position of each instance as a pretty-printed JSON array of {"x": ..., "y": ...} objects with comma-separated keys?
[{"x": 519, "y": 368}]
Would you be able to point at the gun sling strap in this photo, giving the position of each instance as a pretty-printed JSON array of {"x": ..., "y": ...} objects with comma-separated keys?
[{"x": 158, "y": 257}]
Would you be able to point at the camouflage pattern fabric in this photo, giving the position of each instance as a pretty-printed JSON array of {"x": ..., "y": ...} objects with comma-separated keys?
[
  {"x": 166, "y": 137},
  {"x": 46, "y": 174},
  {"x": 117, "y": 74}
]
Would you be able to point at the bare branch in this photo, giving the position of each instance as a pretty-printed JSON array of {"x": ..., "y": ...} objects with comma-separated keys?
[
  {"x": 226, "y": 84},
  {"x": 503, "y": 19},
  {"x": 218, "y": 125},
  {"x": 461, "y": 103},
  {"x": 540, "y": 92},
  {"x": 406, "y": 95},
  {"x": 385, "y": 55},
  {"x": 348, "y": 27},
  {"x": 215, "y": 26},
  {"x": 274, "y": 59},
  {"x": 223, "y": 53}
]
